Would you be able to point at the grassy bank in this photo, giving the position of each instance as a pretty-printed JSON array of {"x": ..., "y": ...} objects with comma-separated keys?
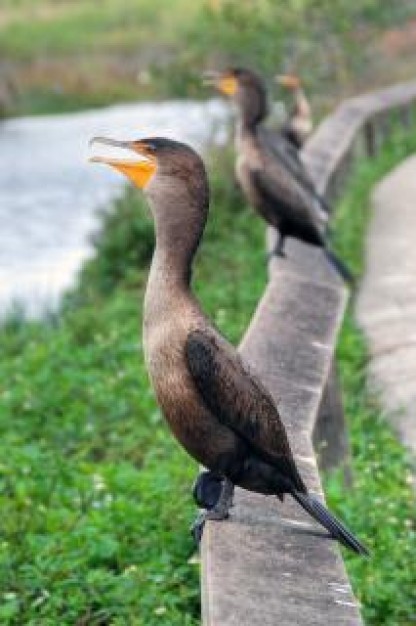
[
  {"x": 69, "y": 55},
  {"x": 94, "y": 491}
]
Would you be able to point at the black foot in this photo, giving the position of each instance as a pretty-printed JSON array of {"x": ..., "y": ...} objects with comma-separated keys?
[
  {"x": 197, "y": 528},
  {"x": 277, "y": 251},
  {"x": 218, "y": 512},
  {"x": 207, "y": 490}
]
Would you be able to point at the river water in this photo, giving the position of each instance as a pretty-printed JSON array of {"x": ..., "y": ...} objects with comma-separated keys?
[{"x": 49, "y": 195}]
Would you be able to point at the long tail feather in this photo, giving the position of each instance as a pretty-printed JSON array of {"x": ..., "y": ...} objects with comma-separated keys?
[
  {"x": 336, "y": 528},
  {"x": 340, "y": 266}
]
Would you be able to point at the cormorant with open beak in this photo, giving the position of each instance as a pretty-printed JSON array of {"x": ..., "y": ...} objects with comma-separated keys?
[
  {"x": 215, "y": 406},
  {"x": 299, "y": 125},
  {"x": 273, "y": 180}
]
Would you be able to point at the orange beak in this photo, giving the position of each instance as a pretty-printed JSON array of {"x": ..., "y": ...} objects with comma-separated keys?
[
  {"x": 139, "y": 171},
  {"x": 290, "y": 81},
  {"x": 225, "y": 83}
]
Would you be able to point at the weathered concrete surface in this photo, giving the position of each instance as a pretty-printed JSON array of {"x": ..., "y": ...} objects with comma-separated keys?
[
  {"x": 386, "y": 306},
  {"x": 270, "y": 562}
]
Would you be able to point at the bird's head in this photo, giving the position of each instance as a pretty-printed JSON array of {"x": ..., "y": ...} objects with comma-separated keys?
[
  {"x": 171, "y": 174},
  {"x": 244, "y": 87},
  {"x": 288, "y": 81}
]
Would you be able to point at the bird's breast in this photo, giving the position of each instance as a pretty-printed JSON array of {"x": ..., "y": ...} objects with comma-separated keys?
[
  {"x": 245, "y": 173},
  {"x": 193, "y": 425}
]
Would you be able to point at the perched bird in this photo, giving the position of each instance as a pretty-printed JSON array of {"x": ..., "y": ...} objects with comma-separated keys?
[
  {"x": 299, "y": 125},
  {"x": 272, "y": 178},
  {"x": 214, "y": 404}
]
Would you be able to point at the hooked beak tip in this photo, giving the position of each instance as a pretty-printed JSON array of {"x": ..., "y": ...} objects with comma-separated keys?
[{"x": 94, "y": 140}]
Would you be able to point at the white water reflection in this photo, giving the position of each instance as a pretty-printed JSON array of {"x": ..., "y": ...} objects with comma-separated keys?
[{"x": 49, "y": 196}]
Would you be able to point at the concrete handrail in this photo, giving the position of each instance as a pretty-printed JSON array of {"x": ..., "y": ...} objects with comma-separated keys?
[{"x": 265, "y": 565}]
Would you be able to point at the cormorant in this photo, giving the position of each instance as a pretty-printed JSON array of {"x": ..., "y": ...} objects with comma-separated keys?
[
  {"x": 213, "y": 402},
  {"x": 271, "y": 176},
  {"x": 299, "y": 125}
]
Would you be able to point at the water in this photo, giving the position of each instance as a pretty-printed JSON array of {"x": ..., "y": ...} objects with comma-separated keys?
[{"x": 49, "y": 195}]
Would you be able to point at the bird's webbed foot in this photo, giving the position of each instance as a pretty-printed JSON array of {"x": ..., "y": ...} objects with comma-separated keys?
[
  {"x": 218, "y": 512},
  {"x": 207, "y": 489},
  {"x": 278, "y": 250}
]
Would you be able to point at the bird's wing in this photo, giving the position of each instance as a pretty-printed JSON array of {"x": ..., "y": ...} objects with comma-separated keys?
[
  {"x": 280, "y": 188},
  {"x": 288, "y": 133},
  {"x": 236, "y": 397},
  {"x": 281, "y": 148}
]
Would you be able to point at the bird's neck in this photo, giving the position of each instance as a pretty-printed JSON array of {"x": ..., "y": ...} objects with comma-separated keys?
[
  {"x": 246, "y": 127},
  {"x": 245, "y": 134},
  {"x": 171, "y": 268},
  {"x": 302, "y": 107},
  {"x": 252, "y": 109}
]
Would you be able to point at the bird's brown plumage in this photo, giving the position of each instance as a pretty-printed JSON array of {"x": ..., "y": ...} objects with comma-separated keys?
[
  {"x": 179, "y": 340},
  {"x": 271, "y": 173},
  {"x": 215, "y": 405}
]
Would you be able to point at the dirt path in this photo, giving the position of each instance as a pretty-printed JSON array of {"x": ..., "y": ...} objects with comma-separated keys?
[{"x": 386, "y": 306}]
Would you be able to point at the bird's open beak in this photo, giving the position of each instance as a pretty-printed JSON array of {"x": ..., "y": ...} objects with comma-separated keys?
[
  {"x": 225, "y": 83},
  {"x": 139, "y": 171}
]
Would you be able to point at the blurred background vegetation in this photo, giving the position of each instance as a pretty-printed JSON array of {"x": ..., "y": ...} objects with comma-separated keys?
[{"x": 60, "y": 54}]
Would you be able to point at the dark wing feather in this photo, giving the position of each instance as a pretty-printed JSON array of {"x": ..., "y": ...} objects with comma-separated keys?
[
  {"x": 235, "y": 396},
  {"x": 279, "y": 147},
  {"x": 291, "y": 136},
  {"x": 292, "y": 202}
]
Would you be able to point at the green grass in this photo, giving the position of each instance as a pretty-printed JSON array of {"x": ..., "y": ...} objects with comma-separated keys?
[
  {"x": 94, "y": 491},
  {"x": 381, "y": 505}
]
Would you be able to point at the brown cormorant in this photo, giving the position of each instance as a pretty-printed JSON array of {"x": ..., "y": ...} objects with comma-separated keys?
[
  {"x": 213, "y": 402},
  {"x": 272, "y": 176},
  {"x": 299, "y": 125}
]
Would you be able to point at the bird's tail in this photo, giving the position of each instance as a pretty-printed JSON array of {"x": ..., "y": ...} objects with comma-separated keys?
[
  {"x": 340, "y": 266},
  {"x": 336, "y": 529}
]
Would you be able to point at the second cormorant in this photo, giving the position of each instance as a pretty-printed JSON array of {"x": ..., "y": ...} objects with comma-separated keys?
[{"x": 271, "y": 178}]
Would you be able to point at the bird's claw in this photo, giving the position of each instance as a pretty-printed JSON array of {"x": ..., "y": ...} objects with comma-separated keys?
[
  {"x": 197, "y": 528},
  {"x": 221, "y": 504},
  {"x": 275, "y": 253}
]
